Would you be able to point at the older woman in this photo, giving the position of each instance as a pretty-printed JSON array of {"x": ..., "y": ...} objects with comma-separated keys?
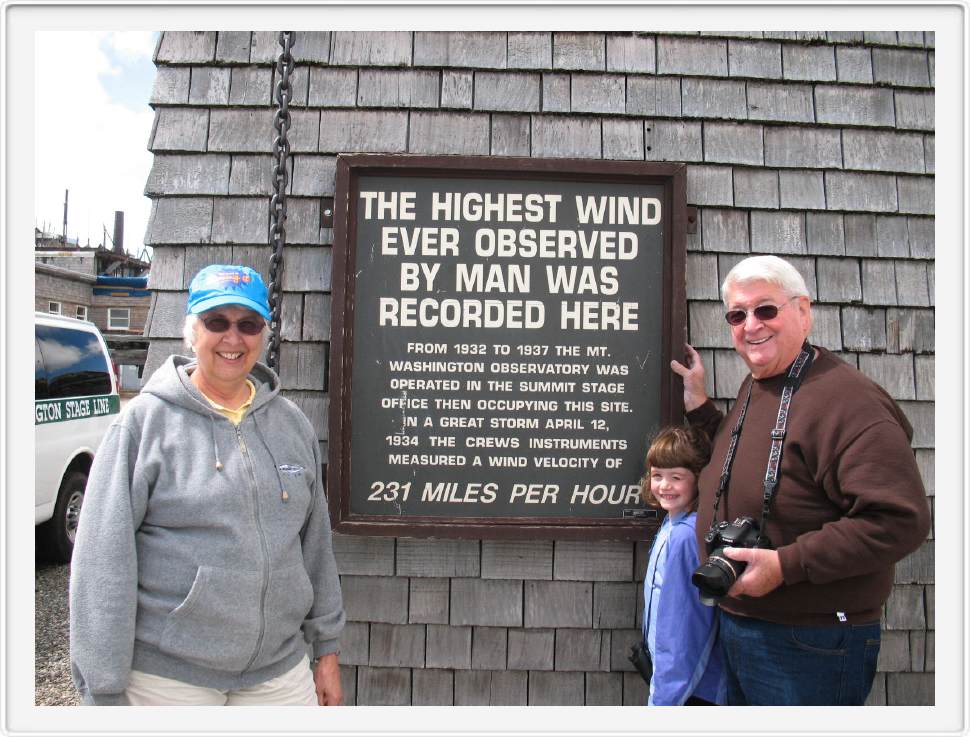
[{"x": 203, "y": 564}]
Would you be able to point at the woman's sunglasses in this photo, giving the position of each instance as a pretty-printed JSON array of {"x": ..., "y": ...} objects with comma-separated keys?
[
  {"x": 763, "y": 313},
  {"x": 246, "y": 326}
]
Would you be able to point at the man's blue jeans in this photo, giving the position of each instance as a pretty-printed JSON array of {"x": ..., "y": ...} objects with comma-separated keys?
[{"x": 793, "y": 665}]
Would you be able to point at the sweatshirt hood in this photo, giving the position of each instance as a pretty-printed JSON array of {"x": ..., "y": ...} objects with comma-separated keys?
[{"x": 171, "y": 383}]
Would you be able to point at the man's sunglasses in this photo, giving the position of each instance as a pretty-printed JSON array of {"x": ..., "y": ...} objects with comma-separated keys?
[
  {"x": 762, "y": 313},
  {"x": 246, "y": 326}
]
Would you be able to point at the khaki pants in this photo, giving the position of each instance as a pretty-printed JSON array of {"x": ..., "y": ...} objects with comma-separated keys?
[{"x": 293, "y": 688}]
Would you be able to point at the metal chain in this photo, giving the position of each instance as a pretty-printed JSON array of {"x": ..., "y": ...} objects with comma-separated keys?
[{"x": 277, "y": 203}]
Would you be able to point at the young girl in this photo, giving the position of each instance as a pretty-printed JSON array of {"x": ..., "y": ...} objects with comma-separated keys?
[{"x": 678, "y": 631}]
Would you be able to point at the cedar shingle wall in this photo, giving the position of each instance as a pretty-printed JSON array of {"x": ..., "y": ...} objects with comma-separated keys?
[{"x": 817, "y": 146}]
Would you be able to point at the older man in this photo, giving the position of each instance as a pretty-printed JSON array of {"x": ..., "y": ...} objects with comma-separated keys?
[{"x": 800, "y": 625}]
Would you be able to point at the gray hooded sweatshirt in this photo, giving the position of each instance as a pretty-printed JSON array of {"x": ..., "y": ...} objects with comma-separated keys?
[{"x": 203, "y": 551}]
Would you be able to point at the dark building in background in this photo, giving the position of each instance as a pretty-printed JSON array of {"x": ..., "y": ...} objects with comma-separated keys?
[{"x": 109, "y": 287}]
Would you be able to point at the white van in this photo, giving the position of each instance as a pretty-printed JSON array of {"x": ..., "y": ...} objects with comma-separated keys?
[{"x": 75, "y": 400}]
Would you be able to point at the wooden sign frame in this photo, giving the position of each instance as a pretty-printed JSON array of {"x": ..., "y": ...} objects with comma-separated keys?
[{"x": 349, "y": 170}]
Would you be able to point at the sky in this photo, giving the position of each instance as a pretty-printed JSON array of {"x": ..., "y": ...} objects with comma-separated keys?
[{"x": 92, "y": 125}]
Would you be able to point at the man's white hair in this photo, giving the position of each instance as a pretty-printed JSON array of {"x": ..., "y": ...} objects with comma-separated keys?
[
  {"x": 769, "y": 269},
  {"x": 191, "y": 324}
]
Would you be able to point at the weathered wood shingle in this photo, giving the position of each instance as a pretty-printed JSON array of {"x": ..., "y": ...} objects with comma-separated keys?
[
  {"x": 692, "y": 56},
  {"x": 432, "y": 687},
  {"x": 900, "y": 67},
  {"x": 854, "y": 64},
  {"x": 883, "y": 151},
  {"x": 489, "y": 648},
  {"x": 801, "y": 190},
  {"x": 397, "y": 88},
  {"x": 579, "y": 51},
  {"x": 448, "y": 647},
  {"x": 851, "y": 105},
  {"x": 488, "y": 603},
  {"x": 455, "y": 49},
  {"x": 865, "y": 192},
  {"x": 437, "y": 558},
  {"x": 669, "y": 140},
  {"x": 531, "y": 649},
  {"x": 188, "y": 175},
  {"x": 516, "y": 91},
  {"x": 491, "y": 688},
  {"x": 547, "y": 688},
  {"x": 754, "y": 59},
  {"x": 558, "y": 604},
  {"x": 171, "y": 86},
  {"x": 378, "y": 48},
  {"x": 756, "y": 188},
  {"x": 529, "y": 559},
  {"x": 777, "y": 232},
  {"x": 815, "y": 63},
  {"x": 659, "y": 96},
  {"x": 795, "y": 146},
  {"x": 623, "y": 139},
  {"x": 915, "y": 110},
  {"x": 725, "y": 230},
  {"x": 713, "y": 98},
  {"x": 511, "y": 135},
  {"x": 631, "y": 53},
  {"x": 375, "y": 598},
  {"x": 428, "y": 600},
  {"x": 733, "y": 143},
  {"x": 448, "y": 133},
  {"x": 344, "y": 131},
  {"x": 180, "y": 220},
  {"x": 781, "y": 102},
  {"x": 598, "y": 93},
  {"x": 336, "y": 87},
  {"x": 185, "y": 47},
  {"x": 584, "y": 561},
  {"x": 710, "y": 185},
  {"x": 529, "y": 50},
  {"x": 457, "y": 89},
  {"x": 556, "y": 136}
]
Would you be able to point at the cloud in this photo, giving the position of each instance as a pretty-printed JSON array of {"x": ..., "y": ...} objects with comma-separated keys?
[
  {"x": 132, "y": 45},
  {"x": 85, "y": 140}
]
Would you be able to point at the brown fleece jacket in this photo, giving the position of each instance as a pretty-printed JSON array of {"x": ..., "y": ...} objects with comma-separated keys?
[{"x": 849, "y": 503}]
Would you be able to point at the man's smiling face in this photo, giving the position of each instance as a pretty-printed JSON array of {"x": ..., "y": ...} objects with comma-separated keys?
[{"x": 769, "y": 346}]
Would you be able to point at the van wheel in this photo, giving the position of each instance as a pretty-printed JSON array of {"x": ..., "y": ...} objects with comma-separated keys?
[{"x": 60, "y": 531}]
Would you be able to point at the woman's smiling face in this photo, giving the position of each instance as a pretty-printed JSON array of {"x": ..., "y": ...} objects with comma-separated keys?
[{"x": 226, "y": 358}]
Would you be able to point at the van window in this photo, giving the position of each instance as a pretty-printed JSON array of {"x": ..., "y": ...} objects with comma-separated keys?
[
  {"x": 74, "y": 361},
  {"x": 40, "y": 374}
]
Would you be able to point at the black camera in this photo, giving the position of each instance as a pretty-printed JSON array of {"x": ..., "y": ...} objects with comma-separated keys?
[{"x": 719, "y": 573}]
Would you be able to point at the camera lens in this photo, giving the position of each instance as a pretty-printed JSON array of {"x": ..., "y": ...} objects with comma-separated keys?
[{"x": 715, "y": 577}]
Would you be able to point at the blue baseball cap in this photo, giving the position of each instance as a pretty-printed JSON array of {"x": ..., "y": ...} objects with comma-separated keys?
[{"x": 220, "y": 284}]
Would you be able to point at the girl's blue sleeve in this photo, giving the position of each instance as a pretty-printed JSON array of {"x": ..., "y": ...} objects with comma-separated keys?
[{"x": 685, "y": 627}]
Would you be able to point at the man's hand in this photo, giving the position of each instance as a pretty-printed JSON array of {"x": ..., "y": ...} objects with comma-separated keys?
[
  {"x": 762, "y": 575},
  {"x": 326, "y": 678},
  {"x": 693, "y": 375}
]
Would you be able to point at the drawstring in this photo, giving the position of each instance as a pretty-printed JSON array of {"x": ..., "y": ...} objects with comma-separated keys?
[
  {"x": 215, "y": 445},
  {"x": 283, "y": 493}
]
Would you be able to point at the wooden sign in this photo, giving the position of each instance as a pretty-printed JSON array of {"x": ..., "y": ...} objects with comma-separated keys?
[{"x": 502, "y": 333}]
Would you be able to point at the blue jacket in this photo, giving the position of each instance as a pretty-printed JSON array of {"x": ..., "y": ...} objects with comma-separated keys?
[{"x": 679, "y": 631}]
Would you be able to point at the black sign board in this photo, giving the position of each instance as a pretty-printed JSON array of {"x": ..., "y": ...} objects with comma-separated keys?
[{"x": 501, "y": 340}]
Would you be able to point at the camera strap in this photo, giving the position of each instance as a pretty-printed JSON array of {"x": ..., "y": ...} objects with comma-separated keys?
[{"x": 792, "y": 381}]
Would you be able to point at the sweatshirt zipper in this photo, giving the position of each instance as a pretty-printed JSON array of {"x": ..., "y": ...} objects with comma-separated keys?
[{"x": 262, "y": 544}]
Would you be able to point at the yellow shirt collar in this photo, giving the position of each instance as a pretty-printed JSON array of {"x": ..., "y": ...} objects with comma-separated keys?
[{"x": 235, "y": 416}]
